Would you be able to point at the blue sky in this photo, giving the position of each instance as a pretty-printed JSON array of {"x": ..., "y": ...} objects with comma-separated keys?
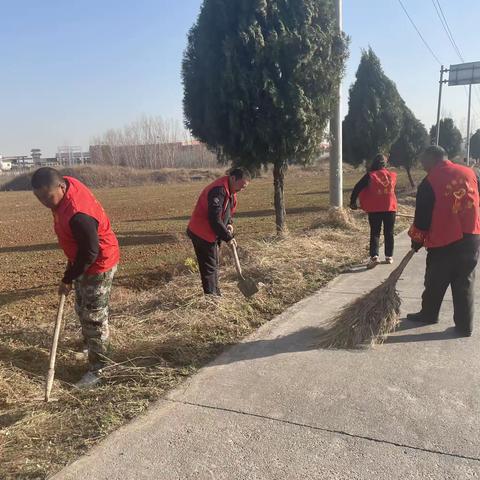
[{"x": 69, "y": 70}]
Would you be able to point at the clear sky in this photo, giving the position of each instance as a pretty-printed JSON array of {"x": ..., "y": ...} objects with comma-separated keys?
[{"x": 69, "y": 70}]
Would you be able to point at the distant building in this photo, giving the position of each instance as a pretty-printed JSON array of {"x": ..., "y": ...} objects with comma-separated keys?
[
  {"x": 36, "y": 154},
  {"x": 19, "y": 161},
  {"x": 70, "y": 156}
]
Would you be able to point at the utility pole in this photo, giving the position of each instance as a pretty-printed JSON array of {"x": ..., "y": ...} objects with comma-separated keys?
[
  {"x": 336, "y": 160},
  {"x": 468, "y": 122},
  {"x": 442, "y": 71}
]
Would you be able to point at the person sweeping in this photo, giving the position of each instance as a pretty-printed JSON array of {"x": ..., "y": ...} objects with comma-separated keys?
[
  {"x": 88, "y": 241},
  {"x": 376, "y": 190},
  {"x": 212, "y": 222},
  {"x": 447, "y": 223}
]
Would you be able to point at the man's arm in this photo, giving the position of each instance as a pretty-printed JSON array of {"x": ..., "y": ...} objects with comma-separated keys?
[
  {"x": 361, "y": 184},
  {"x": 216, "y": 201},
  {"x": 423, "y": 213},
  {"x": 85, "y": 232}
]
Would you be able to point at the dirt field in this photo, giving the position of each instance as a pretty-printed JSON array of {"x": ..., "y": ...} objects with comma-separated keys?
[{"x": 162, "y": 328}]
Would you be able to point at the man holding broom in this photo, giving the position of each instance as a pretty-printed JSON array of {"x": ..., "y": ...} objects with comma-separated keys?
[
  {"x": 211, "y": 223},
  {"x": 86, "y": 237},
  {"x": 447, "y": 223}
]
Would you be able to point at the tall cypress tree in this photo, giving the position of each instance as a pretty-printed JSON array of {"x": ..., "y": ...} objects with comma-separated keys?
[
  {"x": 375, "y": 112},
  {"x": 260, "y": 79},
  {"x": 411, "y": 142},
  {"x": 475, "y": 145},
  {"x": 450, "y": 137}
]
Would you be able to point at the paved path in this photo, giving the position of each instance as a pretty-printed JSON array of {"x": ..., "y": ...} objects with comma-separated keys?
[{"x": 275, "y": 407}]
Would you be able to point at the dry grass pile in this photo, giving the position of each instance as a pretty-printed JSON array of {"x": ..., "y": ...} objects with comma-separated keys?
[
  {"x": 370, "y": 318},
  {"x": 97, "y": 176},
  {"x": 160, "y": 335}
]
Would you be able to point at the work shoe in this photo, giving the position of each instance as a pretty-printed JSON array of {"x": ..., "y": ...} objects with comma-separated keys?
[
  {"x": 374, "y": 261},
  {"x": 463, "y": 333},
  {"x": 89, "y": 380},
  {"x": 388, "y": 260},
  {"x": 418, "y": 317}
]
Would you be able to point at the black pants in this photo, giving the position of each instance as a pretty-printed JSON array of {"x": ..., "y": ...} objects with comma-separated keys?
[
  {"x": 376, "y": 220},
  {"x": 207, "y": 257},
  {"x": 452, "y": 266}
]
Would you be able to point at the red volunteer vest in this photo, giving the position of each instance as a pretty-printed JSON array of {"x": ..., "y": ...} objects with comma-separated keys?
[
  {"x": 456, "y": 209},
  {"x": 79, "y": 199},
  {"x": 380, "y": 196},
  {"x": 199, "y": 223}
]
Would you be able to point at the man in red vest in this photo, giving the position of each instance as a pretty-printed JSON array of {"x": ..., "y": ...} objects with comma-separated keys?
[
  {"x": 211, "y": 222},
  {"x": 86, "y": 237},
  {"x": 376, "y": 190},
  {"x": 447, "y": 223}
]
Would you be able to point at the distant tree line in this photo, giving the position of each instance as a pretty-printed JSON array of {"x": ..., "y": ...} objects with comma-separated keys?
[{"x": 151, "y": 142}]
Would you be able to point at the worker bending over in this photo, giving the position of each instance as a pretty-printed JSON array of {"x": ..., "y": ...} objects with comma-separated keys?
[
  {"x": 447, "y": 223},
  {"x": 86, "y": 237},
  {"x": 211, "y": 223}
]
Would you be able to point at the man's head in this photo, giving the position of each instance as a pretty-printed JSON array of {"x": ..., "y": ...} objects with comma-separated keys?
[
  {"x": 432, "y": 156},
  {"x": 239, "y": 179},
  {"x": 48, "y": 186},
  {"x": 380, "y": 161}
]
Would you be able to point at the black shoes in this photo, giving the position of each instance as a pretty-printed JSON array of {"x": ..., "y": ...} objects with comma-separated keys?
[
  {"x": 463, "y": 333},
  {"x": 418, "y": 317}
]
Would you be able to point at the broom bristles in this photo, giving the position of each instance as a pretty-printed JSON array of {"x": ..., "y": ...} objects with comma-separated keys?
[{"x": 370, "y": 318}]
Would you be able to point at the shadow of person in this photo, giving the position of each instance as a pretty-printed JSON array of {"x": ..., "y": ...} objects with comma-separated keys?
[{"x": 447, "y": 334}]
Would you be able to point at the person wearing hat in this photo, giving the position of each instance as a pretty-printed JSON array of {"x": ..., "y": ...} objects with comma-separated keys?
[{"x": 376, "y": 191}]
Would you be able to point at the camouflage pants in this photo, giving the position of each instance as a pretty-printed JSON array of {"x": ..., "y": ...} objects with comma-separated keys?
[{"x": 92, "y": 294}]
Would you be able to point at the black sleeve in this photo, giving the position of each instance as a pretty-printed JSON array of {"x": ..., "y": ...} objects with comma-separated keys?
[
  {"x": 85, "y": 232},
  {"x": 424, "y": 206},
  {"x": 362, "y": 183},
  {"x": 216, "y": 201}
]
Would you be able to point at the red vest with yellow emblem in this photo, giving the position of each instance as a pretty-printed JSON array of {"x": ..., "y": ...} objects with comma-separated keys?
[
  {"x": 79, "y": 199},
  {"x": 456, "y": 209},
  {"x": 379, "y": 196},
  {"x": 199, "y": 224}
]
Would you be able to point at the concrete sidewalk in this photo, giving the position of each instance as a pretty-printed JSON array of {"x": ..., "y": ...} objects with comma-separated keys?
[{"x": 275, "y": 407}]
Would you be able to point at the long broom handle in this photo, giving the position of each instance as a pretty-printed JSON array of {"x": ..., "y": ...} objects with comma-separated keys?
[{"x": 53, "y": 351}]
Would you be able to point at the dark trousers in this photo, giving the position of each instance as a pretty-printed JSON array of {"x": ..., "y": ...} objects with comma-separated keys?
[
  {"x": 376, "y": 220},
  {"x": 454, "y": 266},
  {"x": 207, "y": 257}
]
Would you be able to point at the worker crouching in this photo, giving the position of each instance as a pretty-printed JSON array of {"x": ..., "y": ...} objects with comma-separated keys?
[
  {"x": 447, "y": 223},
  {"x": 376, "y": 190}
]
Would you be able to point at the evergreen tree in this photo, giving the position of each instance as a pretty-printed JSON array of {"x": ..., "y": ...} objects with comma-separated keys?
[
  {"x": 260, "y": 80},
  {"x": 413, "y": 139},
  {"x": 375, "y": 112},
  {"x": 450, "y": 137},
  {"x": 475, "y": 145}
]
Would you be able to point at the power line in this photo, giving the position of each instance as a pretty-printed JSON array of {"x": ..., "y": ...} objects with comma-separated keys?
[
  {"x": 449, "y": 32},
  {"x": 419, "y": 33},
  {"x": 443, "y": 20}
]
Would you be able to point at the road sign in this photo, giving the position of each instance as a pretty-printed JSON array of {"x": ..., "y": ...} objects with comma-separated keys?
[{"x": 464, "y": 74}]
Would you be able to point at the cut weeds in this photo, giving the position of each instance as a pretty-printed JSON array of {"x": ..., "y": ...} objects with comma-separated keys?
[{"x": 163, "y": 329}]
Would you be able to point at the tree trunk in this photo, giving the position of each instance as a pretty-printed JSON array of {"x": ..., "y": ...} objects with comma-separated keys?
[
  {"x": 409, "y": 173},
  {"x": 278, "y": 183}
]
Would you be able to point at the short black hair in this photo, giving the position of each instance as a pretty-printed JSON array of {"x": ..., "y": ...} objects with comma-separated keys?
[
  {"x": 240, "y": 173},
  {"x": 46, "y": 177},
  {"x": 436, "y": 152},
  {"x": 379, "y": 162}
]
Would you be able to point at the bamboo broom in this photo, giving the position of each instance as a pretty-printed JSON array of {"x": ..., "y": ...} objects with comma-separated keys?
[{"x": 369, "y": 318}]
